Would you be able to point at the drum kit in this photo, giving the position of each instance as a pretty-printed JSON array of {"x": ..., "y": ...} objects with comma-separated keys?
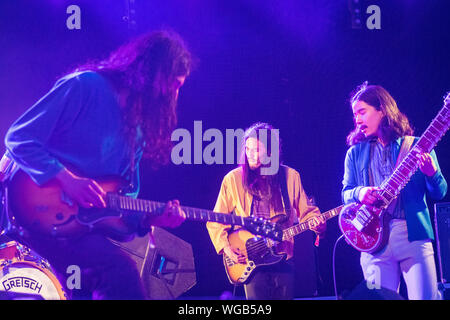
[{"x": 24, "y": 275}]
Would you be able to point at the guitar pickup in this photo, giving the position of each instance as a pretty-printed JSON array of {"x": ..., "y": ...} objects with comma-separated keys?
[{"x": 358, "y": 225}]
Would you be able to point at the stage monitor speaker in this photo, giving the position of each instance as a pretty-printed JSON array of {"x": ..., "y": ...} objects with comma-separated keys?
[
  {"x": 442, "y": 225},
  {"x": 363, "y": 292},
  {"x": 135, "y": 248},
  {"x": 167, "y": 268}
]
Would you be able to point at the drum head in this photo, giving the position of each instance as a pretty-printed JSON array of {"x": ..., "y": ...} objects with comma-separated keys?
[{"x": 27, "y": 280}]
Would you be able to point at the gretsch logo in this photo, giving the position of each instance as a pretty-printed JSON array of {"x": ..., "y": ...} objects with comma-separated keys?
[{"x": 22, "y": 282}]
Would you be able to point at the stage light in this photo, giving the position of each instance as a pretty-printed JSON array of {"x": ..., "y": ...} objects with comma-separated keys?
[{"x": 355, "y": 8}]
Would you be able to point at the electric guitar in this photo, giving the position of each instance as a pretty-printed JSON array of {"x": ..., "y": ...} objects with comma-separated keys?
[
  {"x": 366, "y": 227},
  {"x": 260, "y": 251},
  {"x": 45, "y": 210}
]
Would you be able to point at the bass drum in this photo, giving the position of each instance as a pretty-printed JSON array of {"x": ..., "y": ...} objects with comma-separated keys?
[{"x": 26, "y": 276}]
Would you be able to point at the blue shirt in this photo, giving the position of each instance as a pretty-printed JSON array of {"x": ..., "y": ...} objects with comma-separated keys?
[
  {"x": 382, "y": 164},
  {"x": 77, "y": 124}
]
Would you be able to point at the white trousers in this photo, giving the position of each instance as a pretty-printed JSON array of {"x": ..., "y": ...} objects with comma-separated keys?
[{"x": 414, "y": 260}]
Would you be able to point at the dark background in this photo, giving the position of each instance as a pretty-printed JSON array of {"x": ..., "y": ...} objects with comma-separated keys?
[{"x": 290, "y": 63}]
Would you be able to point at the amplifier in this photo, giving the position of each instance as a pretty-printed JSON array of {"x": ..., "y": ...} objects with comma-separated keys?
[{"x": 442, "y": 225}]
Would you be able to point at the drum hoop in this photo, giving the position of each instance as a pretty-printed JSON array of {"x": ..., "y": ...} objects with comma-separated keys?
[
  {"x": 19, "y": 253},
  {"x": 9, "y": 244},
  {"x": 48, "y": 273}
]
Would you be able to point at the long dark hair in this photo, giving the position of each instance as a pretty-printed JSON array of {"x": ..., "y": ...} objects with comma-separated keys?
[
  {"x": 394, "y": 123},
  {"x": 144, "y": 67},
  {"x": 262, "y": 186}
]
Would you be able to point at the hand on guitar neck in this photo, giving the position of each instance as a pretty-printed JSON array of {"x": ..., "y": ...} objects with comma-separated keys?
[
  {"x": 172, "y": 216},
  {"x": 318, "y": 225},
  {"x": 426, "y": 164}
]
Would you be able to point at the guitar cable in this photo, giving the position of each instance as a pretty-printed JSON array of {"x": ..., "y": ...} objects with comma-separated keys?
[{"x": 334, "y": 266}]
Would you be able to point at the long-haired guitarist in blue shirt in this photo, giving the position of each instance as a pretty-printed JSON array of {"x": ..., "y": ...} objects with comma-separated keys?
[
  {"x": 375, "y": 145},
  {"x": 100, "y": 121}
]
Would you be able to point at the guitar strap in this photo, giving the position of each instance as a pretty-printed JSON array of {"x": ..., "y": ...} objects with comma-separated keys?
[
  {"x": 406, "y": 145},
  {"x": 284, "y": 192},
  {"x": 404, "y": 149}
]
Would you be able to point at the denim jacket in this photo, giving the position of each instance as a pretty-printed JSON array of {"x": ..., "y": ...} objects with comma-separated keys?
[{"x": 413, "y": 200}]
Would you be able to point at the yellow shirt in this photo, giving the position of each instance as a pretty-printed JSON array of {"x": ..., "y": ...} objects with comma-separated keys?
[{"x": 233, "y": 196}]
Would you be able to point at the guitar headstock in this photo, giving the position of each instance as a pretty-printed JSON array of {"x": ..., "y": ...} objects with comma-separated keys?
[
  {"x": 263, "y": 227},
  {"x": 447, "y": 98},
  {"x": 446, "y": 108}
]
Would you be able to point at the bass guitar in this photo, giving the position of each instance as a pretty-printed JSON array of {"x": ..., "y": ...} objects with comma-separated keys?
[
  {"x": 45, "y": 210},
  {"x": 260, "y": 251},
  {"x": 366, "y": 227}
]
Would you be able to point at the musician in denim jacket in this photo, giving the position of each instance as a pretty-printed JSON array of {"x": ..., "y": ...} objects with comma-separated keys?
[{"x": 375, "y": 143}]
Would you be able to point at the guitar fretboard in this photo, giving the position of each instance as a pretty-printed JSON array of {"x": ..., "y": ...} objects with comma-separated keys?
[
  {"x": 308, "y": 224},
  {"x": 207, "y": 215},
  {"x": 155, "y": 208},
  {"x": 391, "y": 188},
  {"x": 258, "y": 226}
]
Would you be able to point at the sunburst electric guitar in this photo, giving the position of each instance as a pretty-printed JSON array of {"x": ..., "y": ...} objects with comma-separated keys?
[
  {"x": 261, "y": 251},
  {"x": 366, "y": 227},
  {"x": 45, "y": 210}
]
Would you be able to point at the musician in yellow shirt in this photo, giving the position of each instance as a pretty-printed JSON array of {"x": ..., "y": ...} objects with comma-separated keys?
[{"x": 254, "y": 190}]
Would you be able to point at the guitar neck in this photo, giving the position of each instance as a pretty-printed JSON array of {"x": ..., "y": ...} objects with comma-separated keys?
[
  {"x": 391, "y": 188},
  {"x": 119, "y": 202},
  {"x": 196, "y": 214},
  {"x": 257, "y": 226},
  {"x": 308, "y": 224}
]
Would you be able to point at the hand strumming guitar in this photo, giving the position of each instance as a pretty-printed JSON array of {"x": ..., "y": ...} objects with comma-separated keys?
[
  {"x": 369, "y": 196},
  {"x": 234, "y": 254},
  {"x": 86, "y": 192}
]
